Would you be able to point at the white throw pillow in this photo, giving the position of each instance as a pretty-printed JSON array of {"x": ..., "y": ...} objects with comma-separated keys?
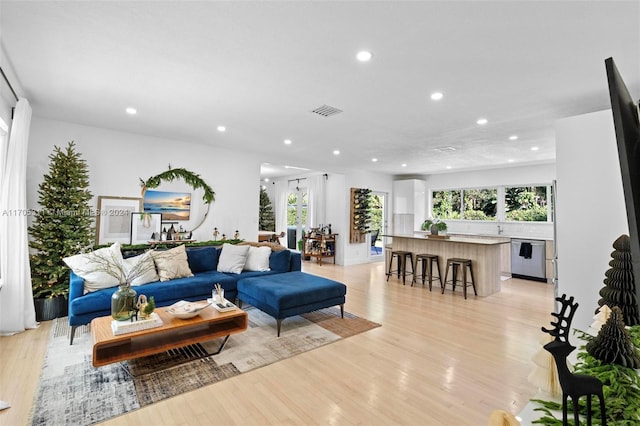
[
  {"x": 141, "y": 268},
  {"x": 92, "y": 267},
  {"x": 172, "y": 263},
  {"x": 258, "y": 259},
  {"x": 232, "y": 258}
]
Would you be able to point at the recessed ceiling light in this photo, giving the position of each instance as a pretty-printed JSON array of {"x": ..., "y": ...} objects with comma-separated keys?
[
  {"x": 448, "y": 167},
  {"x": 403, "y": 165},
  {"x": 436, "y": 96},
  {"x": 482, "y": 121},
  {"x": 513, "y": 138},
  {"x": 131, "y": 111},
  {"x": 264, "y": 187},
  {"x": 374, "y": 160},
  {"x": 266, "y": 179},
  {"x": 287, "y": 141},
  {"x": 222, "y": 129},
  {"x": 534, "y": 148},
  {"x": 510, "y": 160},
  {"x": 364, "y": 56},
  {"x": 336, "y": 152}
]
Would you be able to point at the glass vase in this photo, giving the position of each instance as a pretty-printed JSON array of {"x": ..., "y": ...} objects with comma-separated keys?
[{"x": 123, "y": 302}]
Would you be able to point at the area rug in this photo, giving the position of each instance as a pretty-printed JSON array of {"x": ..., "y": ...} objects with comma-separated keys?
[{"x": 72, "y": 391}]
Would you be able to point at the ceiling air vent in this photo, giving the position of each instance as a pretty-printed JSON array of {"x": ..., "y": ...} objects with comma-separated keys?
[
  {"x": 326, "y": 111},
  {"x": 444, "y": 149}
]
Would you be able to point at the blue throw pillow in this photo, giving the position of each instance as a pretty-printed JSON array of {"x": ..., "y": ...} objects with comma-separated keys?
[
  {"x": 279, "y": 260},
  {"x": 202, "y": 259}
]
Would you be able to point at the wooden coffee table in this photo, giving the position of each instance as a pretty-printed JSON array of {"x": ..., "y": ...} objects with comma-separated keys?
[{"x": 174, "y": 333}]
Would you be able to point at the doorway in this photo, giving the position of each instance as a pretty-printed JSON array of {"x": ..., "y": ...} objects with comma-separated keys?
[
  {"x": 378, "y": 214},
  {"x": 296, "y": 217}
]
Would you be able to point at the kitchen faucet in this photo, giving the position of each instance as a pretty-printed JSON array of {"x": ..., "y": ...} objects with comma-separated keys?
[{"x": 499, "y": 230}]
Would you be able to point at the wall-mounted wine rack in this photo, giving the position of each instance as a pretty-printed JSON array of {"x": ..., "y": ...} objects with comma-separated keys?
[{"x": 360, "y": 215}]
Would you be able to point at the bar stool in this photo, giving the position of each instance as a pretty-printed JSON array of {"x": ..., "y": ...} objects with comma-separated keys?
[
  {"x": 427, "y": 268},
  {"x": 456, "y": 263},
  {"x": 401, "y": 262}
]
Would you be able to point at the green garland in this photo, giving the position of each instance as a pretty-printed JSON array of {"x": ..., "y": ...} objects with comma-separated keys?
[
  {"x": 621, "y": 389},
  {"x": 191, "y": 178}
]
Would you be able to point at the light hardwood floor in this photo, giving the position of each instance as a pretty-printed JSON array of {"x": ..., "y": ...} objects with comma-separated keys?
[{"x": 437, "y": 360}]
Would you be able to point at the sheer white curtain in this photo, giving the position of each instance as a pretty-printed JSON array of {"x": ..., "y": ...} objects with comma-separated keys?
[
  {"x": 4, "y": 143},
  {"x": 16, "y": 299},
  {"x": 282, "y": 187},
  {"x": 317, "y": 201}
]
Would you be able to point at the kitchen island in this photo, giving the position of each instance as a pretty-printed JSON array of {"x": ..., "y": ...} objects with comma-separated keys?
[{"x": 484, "y": 253}]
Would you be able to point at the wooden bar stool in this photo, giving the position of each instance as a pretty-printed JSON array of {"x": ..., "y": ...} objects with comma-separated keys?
[
  {"x": 401, "y": 263},
  {"x": 427, "y": 269},
  {"x": 457, "y": 263}
]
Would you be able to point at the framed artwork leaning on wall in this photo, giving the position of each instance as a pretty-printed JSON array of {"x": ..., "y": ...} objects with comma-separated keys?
[{"x": 113, "y": 218}]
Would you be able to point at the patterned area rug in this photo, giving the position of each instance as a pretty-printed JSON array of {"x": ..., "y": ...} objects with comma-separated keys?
[{"x": 72, "y": 391}]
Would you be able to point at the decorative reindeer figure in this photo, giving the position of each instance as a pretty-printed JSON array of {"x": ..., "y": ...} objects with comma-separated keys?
[{"x": 573, "y": 385}]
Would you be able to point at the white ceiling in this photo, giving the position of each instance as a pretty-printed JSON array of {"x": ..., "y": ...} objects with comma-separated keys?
[{"x": 260, "y": 68}]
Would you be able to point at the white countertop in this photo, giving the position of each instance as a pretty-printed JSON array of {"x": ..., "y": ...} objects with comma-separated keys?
[
  {"x": 519, "y": 237},
  {"x": 455, "y": 238}
]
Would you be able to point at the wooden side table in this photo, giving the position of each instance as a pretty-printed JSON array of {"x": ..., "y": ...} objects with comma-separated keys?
[{"x": 320, "y": 246}]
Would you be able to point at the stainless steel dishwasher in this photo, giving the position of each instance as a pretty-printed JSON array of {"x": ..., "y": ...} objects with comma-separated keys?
[{"x": 528, "y": 259}]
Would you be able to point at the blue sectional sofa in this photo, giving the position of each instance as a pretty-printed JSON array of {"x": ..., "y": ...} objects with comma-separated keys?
[{"x": 203, "y": 263}]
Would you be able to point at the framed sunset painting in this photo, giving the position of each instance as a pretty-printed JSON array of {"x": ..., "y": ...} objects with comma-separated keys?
[{"x": 172, "y": 205}]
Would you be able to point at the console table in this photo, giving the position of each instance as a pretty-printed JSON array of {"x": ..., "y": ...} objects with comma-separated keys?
[
  {"x": 169, "y": 242},
  {"x": 319, "y": 246}
]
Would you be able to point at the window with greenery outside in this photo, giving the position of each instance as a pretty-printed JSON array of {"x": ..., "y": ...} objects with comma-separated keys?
[
  {"x": 292, "y": 208},
  {"x": 480, "y": 204},
  {"x": 375, "y": 211},
  {"x": 526, "y": 203},
  {"x": 447, "y": 204}
]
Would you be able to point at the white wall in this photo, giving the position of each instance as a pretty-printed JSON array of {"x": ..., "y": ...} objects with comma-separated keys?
[
  {"x": 591, "y": 212},
  {"x": 117, "y": 161}
]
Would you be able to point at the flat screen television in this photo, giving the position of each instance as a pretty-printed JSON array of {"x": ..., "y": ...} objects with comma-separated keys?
[
  {"x": 627, "y": 127},
  {"x": 172, "y": 205}
]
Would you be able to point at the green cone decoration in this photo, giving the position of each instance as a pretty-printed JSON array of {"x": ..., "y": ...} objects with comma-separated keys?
[
  {"x": 620, "y": 288},
  {"x": 613, "y": 344}
]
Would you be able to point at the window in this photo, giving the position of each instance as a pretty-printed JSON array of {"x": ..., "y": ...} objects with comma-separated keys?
[
  {"x": 480, "y": 204},
  {"x": 447, "y": 204},
  {"x": 296, "y": 208},
  {"x": 521, "y": 203},
  {"x": 527, "y": 203}
]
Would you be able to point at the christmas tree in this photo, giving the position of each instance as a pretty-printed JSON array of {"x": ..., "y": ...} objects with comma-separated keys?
[
  {"x": 613, "y": 343},
  {"x": 63, "y": 225},
  {"x": 266, "y": 218},
  {"x": 620, "y": 288}
]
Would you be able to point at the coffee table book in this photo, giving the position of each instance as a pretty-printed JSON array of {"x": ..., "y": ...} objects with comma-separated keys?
[
  {"x": 227, "y": 306},
  {"x": 122, "y": 327}
]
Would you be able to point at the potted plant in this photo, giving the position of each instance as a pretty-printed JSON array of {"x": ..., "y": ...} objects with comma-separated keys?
[
  {"x": 434, "y": 226},
  {"x": 62, "y": 227}
]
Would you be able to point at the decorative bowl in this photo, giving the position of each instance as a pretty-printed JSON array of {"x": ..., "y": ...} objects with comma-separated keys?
[{"x": 186, "y": 310}]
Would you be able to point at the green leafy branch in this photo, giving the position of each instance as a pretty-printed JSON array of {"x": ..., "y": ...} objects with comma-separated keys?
[
  {"x": 193, "y": 179},
  {"x": 621, "y": 388}
]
